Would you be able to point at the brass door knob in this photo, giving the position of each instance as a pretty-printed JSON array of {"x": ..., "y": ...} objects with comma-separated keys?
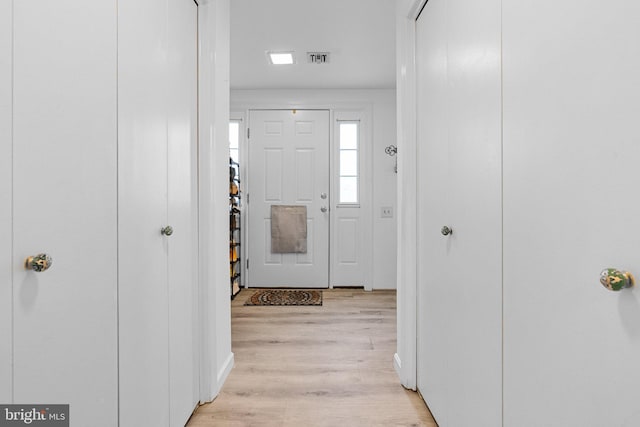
[
  {"x": 615, "y": 280},
  {"x": 167, "y": 231},
  {"x": 446, "y": 231},
  {"x": 38, "y": 263}
]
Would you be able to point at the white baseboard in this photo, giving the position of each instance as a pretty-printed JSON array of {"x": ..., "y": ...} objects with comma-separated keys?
[
  {"x": 397, "y": 364},
  {"x": 223, "y": 373}
]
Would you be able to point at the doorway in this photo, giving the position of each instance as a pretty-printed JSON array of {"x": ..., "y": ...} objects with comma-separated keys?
[{"x": 288, "y": 216}]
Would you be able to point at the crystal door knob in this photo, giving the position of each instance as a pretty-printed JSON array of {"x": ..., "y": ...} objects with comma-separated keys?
[
  {"x": 167, "y": 231},
  {"x": 615, "y": 280},
  {"x": 323, "y": 195},
  {"x": 323, "y": 209},
  {"x": 38, "y": 263},
  {"x": 446, "y": 231}
]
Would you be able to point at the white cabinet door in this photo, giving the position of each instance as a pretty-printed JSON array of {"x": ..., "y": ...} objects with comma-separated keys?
[
  {"x": 289, "y": 165},
  {"x": 571, "y": 208},
  {"x": 65, "y": 184},
  {"x": 460, "y": 283},
  {"x": 182, "y": 209}
]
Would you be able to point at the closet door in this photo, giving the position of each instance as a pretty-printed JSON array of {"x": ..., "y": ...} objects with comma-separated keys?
[
  {"x": 571, "y": 150},
  {"x": 460, "y": 283},
  {"x": 64, "y": 205},
  {"x": 182, "y": 209},
  {"x": 6, "y": 188},
  {"x": 142, "y": 213},
  {"x": 157, "y": 189}
]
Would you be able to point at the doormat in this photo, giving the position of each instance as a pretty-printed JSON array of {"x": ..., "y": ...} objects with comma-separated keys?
[{"x": 285, "y": 297}]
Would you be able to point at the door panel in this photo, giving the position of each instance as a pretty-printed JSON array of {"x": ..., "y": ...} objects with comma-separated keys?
[
  {"x": 434, "y": 299},
  {"x": 142, "y": 199},
  {"x": 571, "y": 149},
  {"x": 65, "y": 193},
  {"x": 289, "y": 165},
  {"x": 461, "y": 283},
  {"x": 182, "y": 210},
  {"x": 6, "y": 147}
]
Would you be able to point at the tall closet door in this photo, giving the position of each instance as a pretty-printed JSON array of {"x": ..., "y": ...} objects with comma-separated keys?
[
  {"x": 6, "y": 228},
  {"x": 142, "y": 204},
  {"x": 460, "y": 283},
  {"x": 157, "y": 189},
  {"x": 434, "y": 301},
  {"x": 571, "y": 150},
  {"x": 182, "y": 209},
  {"x": 64, "y": 205}
]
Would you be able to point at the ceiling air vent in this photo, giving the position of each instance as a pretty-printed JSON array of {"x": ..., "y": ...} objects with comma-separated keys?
[{"x": 318, "y": 57}]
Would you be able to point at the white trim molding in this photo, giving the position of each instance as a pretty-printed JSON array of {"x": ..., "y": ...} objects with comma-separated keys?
[
  {"x": 216, "y": 358},
  {"x": 405, "y": 358}
]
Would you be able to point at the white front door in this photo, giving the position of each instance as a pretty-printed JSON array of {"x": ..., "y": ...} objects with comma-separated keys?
[
  {"x": 459, "y": 151},
  {"x": 64, "y": 204},
  {"x": 288, "y": 165}
]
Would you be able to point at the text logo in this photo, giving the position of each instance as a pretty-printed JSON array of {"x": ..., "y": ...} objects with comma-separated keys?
[{"x": 34, "y": 415}]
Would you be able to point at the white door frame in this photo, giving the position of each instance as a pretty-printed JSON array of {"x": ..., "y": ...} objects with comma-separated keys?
[
  {"x": 216, "y": 358},
  {"x": 241, "y": 110},
  {"x": 405, "y": 359}
]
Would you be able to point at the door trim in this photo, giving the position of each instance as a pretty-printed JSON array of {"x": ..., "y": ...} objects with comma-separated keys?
[
  {"x": 338, "y": 108},
  {"x": 405, "y": 359}
]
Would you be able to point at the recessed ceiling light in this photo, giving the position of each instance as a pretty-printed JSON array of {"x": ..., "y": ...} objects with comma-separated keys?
[{"x": 281, "y": 58}]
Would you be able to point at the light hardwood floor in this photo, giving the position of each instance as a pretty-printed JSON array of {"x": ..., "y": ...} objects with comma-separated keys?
[{"x": 315, "y": 366}]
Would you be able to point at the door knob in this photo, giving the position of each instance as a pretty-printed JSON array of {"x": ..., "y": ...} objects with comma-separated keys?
[
  {"x": 446, "y": 231},
  {"x": 38, "y": 263},
  {"x": 323, "y": 195},
  {"x": 615, "y": 280},
  {"x": 167, "y": 231},
  {"x": 323, "y": 209}
]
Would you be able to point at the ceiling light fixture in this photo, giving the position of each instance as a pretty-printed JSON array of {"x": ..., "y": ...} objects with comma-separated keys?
[{"x": 280, "y": 58}]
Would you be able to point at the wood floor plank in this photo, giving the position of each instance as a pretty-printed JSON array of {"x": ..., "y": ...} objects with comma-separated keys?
[{"x": 316, "y": 366}]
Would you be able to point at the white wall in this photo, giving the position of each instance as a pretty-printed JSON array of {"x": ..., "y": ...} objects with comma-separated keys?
[
  {"x": 6, "y": 117},
  {"x": 217, "y": 358},
  {"x": 383, "y": 106}
]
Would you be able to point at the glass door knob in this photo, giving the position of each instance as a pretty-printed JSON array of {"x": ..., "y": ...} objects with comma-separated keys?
[
  {"x": 615, "y": 280},
  {"x": 38, "y": 263},
  {"x": 446, "y": 231}
]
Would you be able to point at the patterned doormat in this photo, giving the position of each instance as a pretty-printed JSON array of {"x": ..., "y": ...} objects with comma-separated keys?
[{"x": 285, "y": 297}]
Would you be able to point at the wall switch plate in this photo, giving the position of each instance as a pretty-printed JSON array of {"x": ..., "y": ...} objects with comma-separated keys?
[{"x": 386, "y": 212}]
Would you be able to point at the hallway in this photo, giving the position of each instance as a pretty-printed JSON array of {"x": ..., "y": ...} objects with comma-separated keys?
[{"x": 315, "y": 366}]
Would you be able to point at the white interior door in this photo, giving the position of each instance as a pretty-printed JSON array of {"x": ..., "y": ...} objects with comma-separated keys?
[
  {"x": 289, "y": 165},
  {"x": 65, "y": 193},
  {"x": 157, "y": 188},
  {"x": 6, "y": 190},
  {"x": 571, "y": 150},
  {"x": 459, "y": 144},
  {"x": 182, "y": 209},
  {"x": 142, "y": 199}
]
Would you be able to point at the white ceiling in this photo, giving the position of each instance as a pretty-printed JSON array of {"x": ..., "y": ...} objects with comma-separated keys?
[{"x": 359, "y": 34}]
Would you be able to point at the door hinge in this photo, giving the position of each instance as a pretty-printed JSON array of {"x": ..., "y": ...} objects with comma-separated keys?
[
  {"x": 248, "y": 133},
  {"x": 247, "y": 263},
  {"x": 247, "y": 198}
]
